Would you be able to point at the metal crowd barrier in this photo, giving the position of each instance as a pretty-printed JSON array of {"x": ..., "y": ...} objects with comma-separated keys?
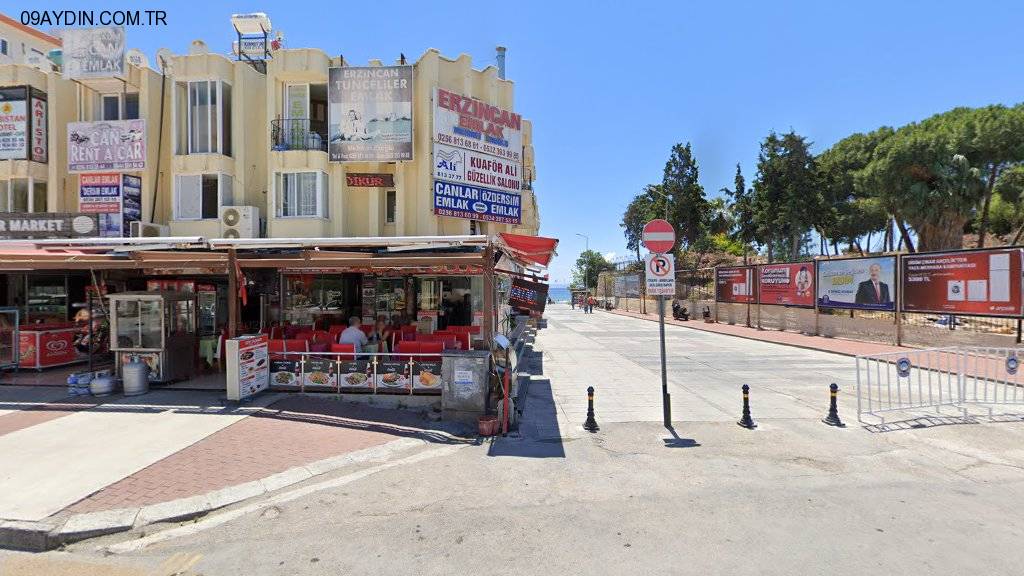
[
  {"x": 935, "y": 378},
  {"x": 380, "y": 372}
]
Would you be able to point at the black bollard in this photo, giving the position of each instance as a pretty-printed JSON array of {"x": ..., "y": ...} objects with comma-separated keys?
[
  {"x": 833, "y": 413},
  {"x": 591, "y": 424},
  {"x": 746, "y": 421}
]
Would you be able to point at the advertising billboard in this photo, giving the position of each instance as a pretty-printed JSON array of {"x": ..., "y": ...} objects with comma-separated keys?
[
  {"x": 468, "y": 167},
  {"x": 370, "y": 113},
  {"x": 786, "y": 284},
  {"x": 13, "y": 124},
  {"x": 471, "y": 124},
  {"x": 40, "y": 131},
  {"x": 735, "y": 284},
  {"x": 983, "y": 283},
  {"x": 131, "y": 201},
  {"x": 107, "y": 145},
  {"x": 93, "y": 52},
  {"x": 858, "y": 283},
  {"x": 627, "y": 286},
  {"x": 99, "y": 193},
  {"x": 475, "y": 203}
]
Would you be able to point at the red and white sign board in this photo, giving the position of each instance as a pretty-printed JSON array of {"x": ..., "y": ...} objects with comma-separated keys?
[
  {"x": 660, "y": 270},
  {"x": 248, "y": 366},
  {"x": 659, "y": 236}
]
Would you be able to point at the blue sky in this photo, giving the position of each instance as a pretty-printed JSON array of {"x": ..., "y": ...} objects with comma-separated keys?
[{"x": 610, "y": 86}]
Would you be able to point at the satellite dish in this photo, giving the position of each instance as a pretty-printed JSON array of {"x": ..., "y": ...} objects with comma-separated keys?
[
  {"x": 163, "y": 60},
  {"x": 198, "y": 47},
  {"x": 136, "y": 58}
]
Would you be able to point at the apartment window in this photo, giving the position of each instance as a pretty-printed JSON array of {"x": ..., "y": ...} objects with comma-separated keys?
[
  {"x": 200, "y": 196},
  {"x": 3, "y": 46},
  {"x": 207, "y": 109},
  {"x": 110, "y": 107},
  {"x": 123, "y": 106},
  {"x": 390, "y": 204},
  {"x": 22, "y": 195},
  {"x": 301, "y": 194}
]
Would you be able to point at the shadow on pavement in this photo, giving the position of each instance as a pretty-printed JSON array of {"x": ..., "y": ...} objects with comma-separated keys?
[
  {"x": 677, "y": 442},
  {"x": 526, "y": 447},
  {"x": 920, "y": 422}
]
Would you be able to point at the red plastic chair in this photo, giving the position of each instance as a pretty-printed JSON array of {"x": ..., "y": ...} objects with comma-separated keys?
[
  {"x": 348, "y": 350},
  {"x": 367, "y": 329},
  {"x": 430, "y": 348},
  {"x": 407, "y": 347},
  {"x": 463, "y": 339},
  {"x": 306, "y": 335},
  {"x": 295, "y": 345},
  {"x": 408, "y": 332},
  {"x": 274, "y": 349},
  {"x": 457, "y": 329},
  {"x": 335, "y": 330},
  {"x": 451, "y": 343},
  {"x": 276, "y": 333}
]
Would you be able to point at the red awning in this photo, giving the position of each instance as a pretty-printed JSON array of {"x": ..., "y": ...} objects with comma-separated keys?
[{"x": 529, "y": 249}]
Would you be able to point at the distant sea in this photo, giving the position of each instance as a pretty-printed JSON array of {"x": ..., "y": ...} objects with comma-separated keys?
[{"x": 559, "y": 293}]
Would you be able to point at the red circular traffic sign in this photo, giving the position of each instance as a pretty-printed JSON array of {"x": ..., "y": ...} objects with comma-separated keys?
[{"x": 659, "y": 236}]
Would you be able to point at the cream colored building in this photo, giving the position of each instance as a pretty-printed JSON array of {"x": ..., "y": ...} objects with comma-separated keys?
[{"x": 212, "y": 125}]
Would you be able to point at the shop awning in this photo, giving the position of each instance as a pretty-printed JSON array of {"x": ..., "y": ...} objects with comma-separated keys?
[{"x": 529, "y": 249}]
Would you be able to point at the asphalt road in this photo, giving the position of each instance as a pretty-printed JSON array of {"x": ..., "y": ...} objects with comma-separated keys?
[{"x": 792, "y": 497}]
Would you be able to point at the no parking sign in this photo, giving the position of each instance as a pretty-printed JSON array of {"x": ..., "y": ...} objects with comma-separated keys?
[{"x": 660, "y": 270}]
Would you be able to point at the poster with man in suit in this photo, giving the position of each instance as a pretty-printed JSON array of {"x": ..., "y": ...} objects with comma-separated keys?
[{"x": 858, "y": 283}]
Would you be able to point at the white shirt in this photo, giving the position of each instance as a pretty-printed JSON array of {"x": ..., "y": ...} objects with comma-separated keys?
[{"x": 353, "y": 335}]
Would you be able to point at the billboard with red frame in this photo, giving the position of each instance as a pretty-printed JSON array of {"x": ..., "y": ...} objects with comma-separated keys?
[
  {"x": 735, "y": 284},
  {"x": 974, "y": 283},
  {"x": 786, "y": 284}
]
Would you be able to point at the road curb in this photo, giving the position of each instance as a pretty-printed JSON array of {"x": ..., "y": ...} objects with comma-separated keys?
[
  {"x": 42, "y": 536},
  {"x": 790, "y": 344}
]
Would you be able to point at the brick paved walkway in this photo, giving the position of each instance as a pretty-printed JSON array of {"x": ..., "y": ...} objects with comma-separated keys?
[
  {"x": 834, "y": 345},
  {"x": 294, "y": 431}
]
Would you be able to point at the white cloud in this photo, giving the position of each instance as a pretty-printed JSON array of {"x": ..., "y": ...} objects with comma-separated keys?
[{"x": 609, "y": 256}]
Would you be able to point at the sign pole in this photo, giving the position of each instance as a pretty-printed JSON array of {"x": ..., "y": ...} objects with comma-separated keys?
[{"x": 666, "y": 406}]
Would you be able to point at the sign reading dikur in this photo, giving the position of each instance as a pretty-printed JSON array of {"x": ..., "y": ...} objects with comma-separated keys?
[{"x": 475, "y": 203}]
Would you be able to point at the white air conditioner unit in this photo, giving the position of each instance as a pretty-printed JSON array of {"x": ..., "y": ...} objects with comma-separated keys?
[
  {"x": 138, "y": 229},
  {"x": 239, "y": 222}
]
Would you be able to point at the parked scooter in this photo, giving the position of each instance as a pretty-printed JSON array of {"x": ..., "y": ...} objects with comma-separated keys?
[{"x": 680, "y": 312}]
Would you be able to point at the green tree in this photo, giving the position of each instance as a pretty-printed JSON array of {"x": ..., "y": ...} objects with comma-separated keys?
[
  {"x": 787, "y": 200},
  {"x": 992, "y": 139},
  {"x": 640, "y": 211},
  {"x": 921, "y": 178},
  {"x": 687, "y": 206},
  {"x": 741, "y": 205},
  {"x": 849, "y": 211},
  {"x": 588, "y": 266},
  {"x": 1009, "y": 193}
]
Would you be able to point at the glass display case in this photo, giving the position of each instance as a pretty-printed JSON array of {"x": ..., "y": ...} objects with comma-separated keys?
[{"x": 157, "y": 327}]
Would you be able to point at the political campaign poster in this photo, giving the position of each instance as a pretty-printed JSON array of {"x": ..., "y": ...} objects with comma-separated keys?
[
  {"x": 472, "y": 124},
  {"x": 735, "y": 284},
  {"x": 982, "y": 283},
  {"x": 786, "y": 284},
  {"x": 370, "y": 113},
  {"x": 93, "y": 52},
  {"x": 857, "y": 283},
  {"x": 475, "y": 203}
]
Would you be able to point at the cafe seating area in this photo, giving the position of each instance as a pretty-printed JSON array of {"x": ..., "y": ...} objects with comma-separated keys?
[{"x": 406, "y": 340}]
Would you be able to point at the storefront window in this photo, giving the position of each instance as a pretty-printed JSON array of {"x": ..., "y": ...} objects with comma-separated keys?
[
  {"x": 150, "y": 332},
  {"x": 47, "y": 299},
  {"x": 15, "y": 196},
  {"x": 310, "y": 297},
  {"x": 38, "y": 196},
  {"x": 391, "y": 298},
  {"x": 127, "y": 315}
]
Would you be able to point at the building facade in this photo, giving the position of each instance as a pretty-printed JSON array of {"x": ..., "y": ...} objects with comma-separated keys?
[{"x": 206, "y": 144}]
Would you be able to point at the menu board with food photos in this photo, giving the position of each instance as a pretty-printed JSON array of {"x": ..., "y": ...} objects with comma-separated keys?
[
  {"x": 247, "y": 370},
  {"x": 319, "y": 375},
  {"x": 392, "y": 376},
  {"x": 355, "y": 376},
  {"x": 426, "y": 376},
  {"x": 284, "y": 374}
]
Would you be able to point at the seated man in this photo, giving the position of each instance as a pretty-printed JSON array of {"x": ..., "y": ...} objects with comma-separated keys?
[{"x": 353, "y": 335}]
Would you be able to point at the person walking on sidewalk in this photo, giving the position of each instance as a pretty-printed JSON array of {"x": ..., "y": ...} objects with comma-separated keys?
[{"x": 590, "y": 304}]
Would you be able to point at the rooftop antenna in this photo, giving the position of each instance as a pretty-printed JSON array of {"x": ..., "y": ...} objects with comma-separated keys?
[{"x": 402, "y": 59}]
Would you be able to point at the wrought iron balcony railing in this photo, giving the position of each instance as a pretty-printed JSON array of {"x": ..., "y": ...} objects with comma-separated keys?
[{"x": 298, "y": 134}]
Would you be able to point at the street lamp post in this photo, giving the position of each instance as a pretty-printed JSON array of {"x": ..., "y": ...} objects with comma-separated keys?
[{"x": 586, "y": 269}]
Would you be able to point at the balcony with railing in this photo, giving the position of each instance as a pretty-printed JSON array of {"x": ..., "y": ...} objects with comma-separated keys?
[{"x": 298, "y": 134}]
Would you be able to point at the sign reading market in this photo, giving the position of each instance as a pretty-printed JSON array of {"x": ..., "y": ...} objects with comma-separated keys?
[{"x": 465, "y": 201}]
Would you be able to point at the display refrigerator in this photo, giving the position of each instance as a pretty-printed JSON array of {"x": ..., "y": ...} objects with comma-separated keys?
[{"x": 157, "y": 327}]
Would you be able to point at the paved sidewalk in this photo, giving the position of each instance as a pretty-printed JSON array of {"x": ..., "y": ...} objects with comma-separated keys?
[
  {"x": 833, "y": 345},
  {"x": 294, "y": 431},
  {"x": 51, "y": 465}
]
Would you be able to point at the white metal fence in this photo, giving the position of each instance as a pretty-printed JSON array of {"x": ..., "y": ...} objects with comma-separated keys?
[{"x": 931, "y": 379}]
